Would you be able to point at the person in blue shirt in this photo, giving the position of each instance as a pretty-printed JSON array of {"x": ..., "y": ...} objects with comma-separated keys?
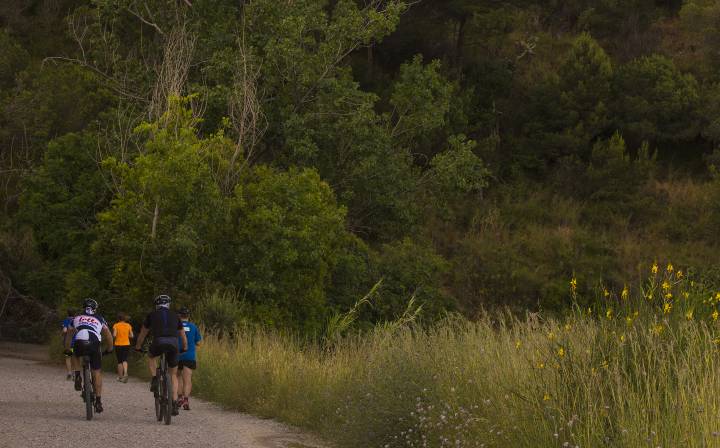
[
  {"x": 67, "y": 323},
  {"x": 187, "y": 361}
]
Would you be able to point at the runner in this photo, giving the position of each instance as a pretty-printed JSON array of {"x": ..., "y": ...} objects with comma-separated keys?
[
  {"x": 122, "y": 332},
  {"x": 187, "y": 362},
  {"x": 67, "y": 323}
]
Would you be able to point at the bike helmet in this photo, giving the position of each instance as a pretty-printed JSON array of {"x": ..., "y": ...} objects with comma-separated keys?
[
  {"x": 163, "y": 300},
  {"x": 184, "y": 311},
  {"x": 90, "y": 305}
]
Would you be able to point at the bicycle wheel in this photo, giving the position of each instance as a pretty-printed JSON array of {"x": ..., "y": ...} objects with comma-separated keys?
[
  {"x": 87, "y": 390},
  {"x": 167, "y": 398},
  {"x": 158, "y": 396}
]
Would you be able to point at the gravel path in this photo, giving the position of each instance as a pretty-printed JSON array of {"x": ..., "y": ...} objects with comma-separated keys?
[{"x": 39, "y": 408}]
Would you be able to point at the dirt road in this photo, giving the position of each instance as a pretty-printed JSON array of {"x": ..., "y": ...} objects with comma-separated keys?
[{"x": 39, "y": 408}]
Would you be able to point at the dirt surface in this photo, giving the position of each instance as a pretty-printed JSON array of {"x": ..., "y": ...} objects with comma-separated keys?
[{"x": 39, "y": 408}]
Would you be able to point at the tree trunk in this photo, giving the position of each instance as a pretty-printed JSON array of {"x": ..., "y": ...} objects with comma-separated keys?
[{"x": 156, "y": 216}]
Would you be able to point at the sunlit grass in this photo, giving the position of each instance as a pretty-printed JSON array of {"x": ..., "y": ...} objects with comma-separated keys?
[{"x": 581, "y": 381}]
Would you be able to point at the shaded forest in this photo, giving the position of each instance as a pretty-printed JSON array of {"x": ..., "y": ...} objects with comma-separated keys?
[{"x": 295, "y": 155}]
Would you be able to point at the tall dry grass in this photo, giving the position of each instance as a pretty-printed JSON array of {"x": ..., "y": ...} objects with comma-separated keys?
[{"x": 493, "y": 383}]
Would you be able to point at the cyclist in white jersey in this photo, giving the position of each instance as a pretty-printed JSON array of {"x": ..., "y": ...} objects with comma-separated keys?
[{"x": 85, "y": 336}]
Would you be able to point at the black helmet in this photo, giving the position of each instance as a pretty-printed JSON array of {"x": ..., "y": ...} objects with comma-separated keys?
[
  {"x": 90, "y": 304},
  {"x": 184, "y": 311},
  {"x": 162, "y": 300}
]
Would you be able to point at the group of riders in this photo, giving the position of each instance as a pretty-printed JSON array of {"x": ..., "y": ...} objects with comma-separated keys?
[{"x": 172, "y": 335}]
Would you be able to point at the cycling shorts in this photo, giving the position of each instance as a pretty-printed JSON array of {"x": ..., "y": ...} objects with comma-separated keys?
[
  {"x": 90, "y": 348},
  {"x": 167, "y": 345}
]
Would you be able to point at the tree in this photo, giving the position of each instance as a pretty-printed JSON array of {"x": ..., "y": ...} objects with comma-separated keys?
[
  {"x": 655, "y": 102},
  {"x": 285, "y": 231},
  {"x": 162, "y": 228},
  {"x": 585, "y": 83},
  {"x": 60, "y": 203}
]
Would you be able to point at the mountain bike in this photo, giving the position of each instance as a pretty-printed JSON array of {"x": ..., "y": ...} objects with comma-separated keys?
[
  {"x": 163, "y": 394},
  {"x": 88, "y": 385},
  {"x": 88, "y": 389}
]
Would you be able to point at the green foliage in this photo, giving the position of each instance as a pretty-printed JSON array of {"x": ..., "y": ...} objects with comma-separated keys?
[
  {"x": 585, "y": 82},
  {"x": 411, "y": 269},
  {"x": 222, "y": 312},
  {"x": 161, "y": 226},
  {"x": 655, "y": 102},
  {"x": 421, "y": 101},
  {"x": 286, "y": 230},
  {"x": 60, "y": 203},
  {"x": 14, "y": 59}
]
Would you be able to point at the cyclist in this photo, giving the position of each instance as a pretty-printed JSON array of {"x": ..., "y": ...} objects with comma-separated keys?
[
  {"x": 166, "y": 329},
  {"x": 85, "y": 336},
  {"x": 68, "y": 358},
  {"x": 187, "y": 362}
]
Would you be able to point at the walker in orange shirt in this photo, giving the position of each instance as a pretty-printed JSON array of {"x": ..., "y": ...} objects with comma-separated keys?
[{"x": 122, "y": 332}]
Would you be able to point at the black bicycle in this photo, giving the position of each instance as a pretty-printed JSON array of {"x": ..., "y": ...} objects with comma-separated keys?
[
  {"x": 163, "y": 393},
  {"x": 88, "y": 388},
  {"x": 88, "y": 385}
]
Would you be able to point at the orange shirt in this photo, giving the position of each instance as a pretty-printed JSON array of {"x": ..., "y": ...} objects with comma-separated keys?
[{"x": 122, "y": 331}]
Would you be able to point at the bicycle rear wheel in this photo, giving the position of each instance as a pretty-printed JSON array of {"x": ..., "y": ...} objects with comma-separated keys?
[
  {"x": 167, "y": 395},
  {"x": 87, "y": 391},
  {"x": 158, "y": 396}
]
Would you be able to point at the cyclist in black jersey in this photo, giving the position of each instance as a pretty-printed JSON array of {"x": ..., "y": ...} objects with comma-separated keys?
[{"x": 165, "y": 327}]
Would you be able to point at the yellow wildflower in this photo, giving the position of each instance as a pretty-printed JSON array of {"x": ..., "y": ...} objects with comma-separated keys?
[
  {"x": 517, "y": 344},
  {"x": 667, "y": 308},
  {"x": 679, "y": 274},
  {"x": 715, "y": 315},
  {"x": 717, "y": 297},
  {"x": 658, "y": 329},
  {"x": 606, "y": 293},
  {"x": 541, "y": 365},
  {"x": 670, "y": 267},
  {"x": 654, "y": 268},
  {"x": 716, "y": 341},
  {"x": 622, "y": 338},
  {"x": 609, "y": 313},
  {"x": 604, "y": 364},
  {"x": 568, "y": 327},
  {"x": 686, "y": 294},
  {"x": 625, "y": 293},
  {"x": 629, "y": 321},
  {"x": 561, "y": 352},
  {"x": 689, "y": 314},
  {"x": 668, "y": 296},
  {"x": 546, "y": 397},
  {"x": 551, "y": 335},
  {"x": 573, "y": 284},
  {"x": 665, "y": 285}
]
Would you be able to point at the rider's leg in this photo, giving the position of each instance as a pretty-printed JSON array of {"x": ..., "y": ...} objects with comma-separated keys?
[
  {"x": 124, "y": 368},
  {"x": 173, "y": 374},
  {"x": 68, "y": 364},
  {"x": 120, "y": 370},
  {"x": 97, "y": 381},
  {"x": 152, "y": 365}
]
